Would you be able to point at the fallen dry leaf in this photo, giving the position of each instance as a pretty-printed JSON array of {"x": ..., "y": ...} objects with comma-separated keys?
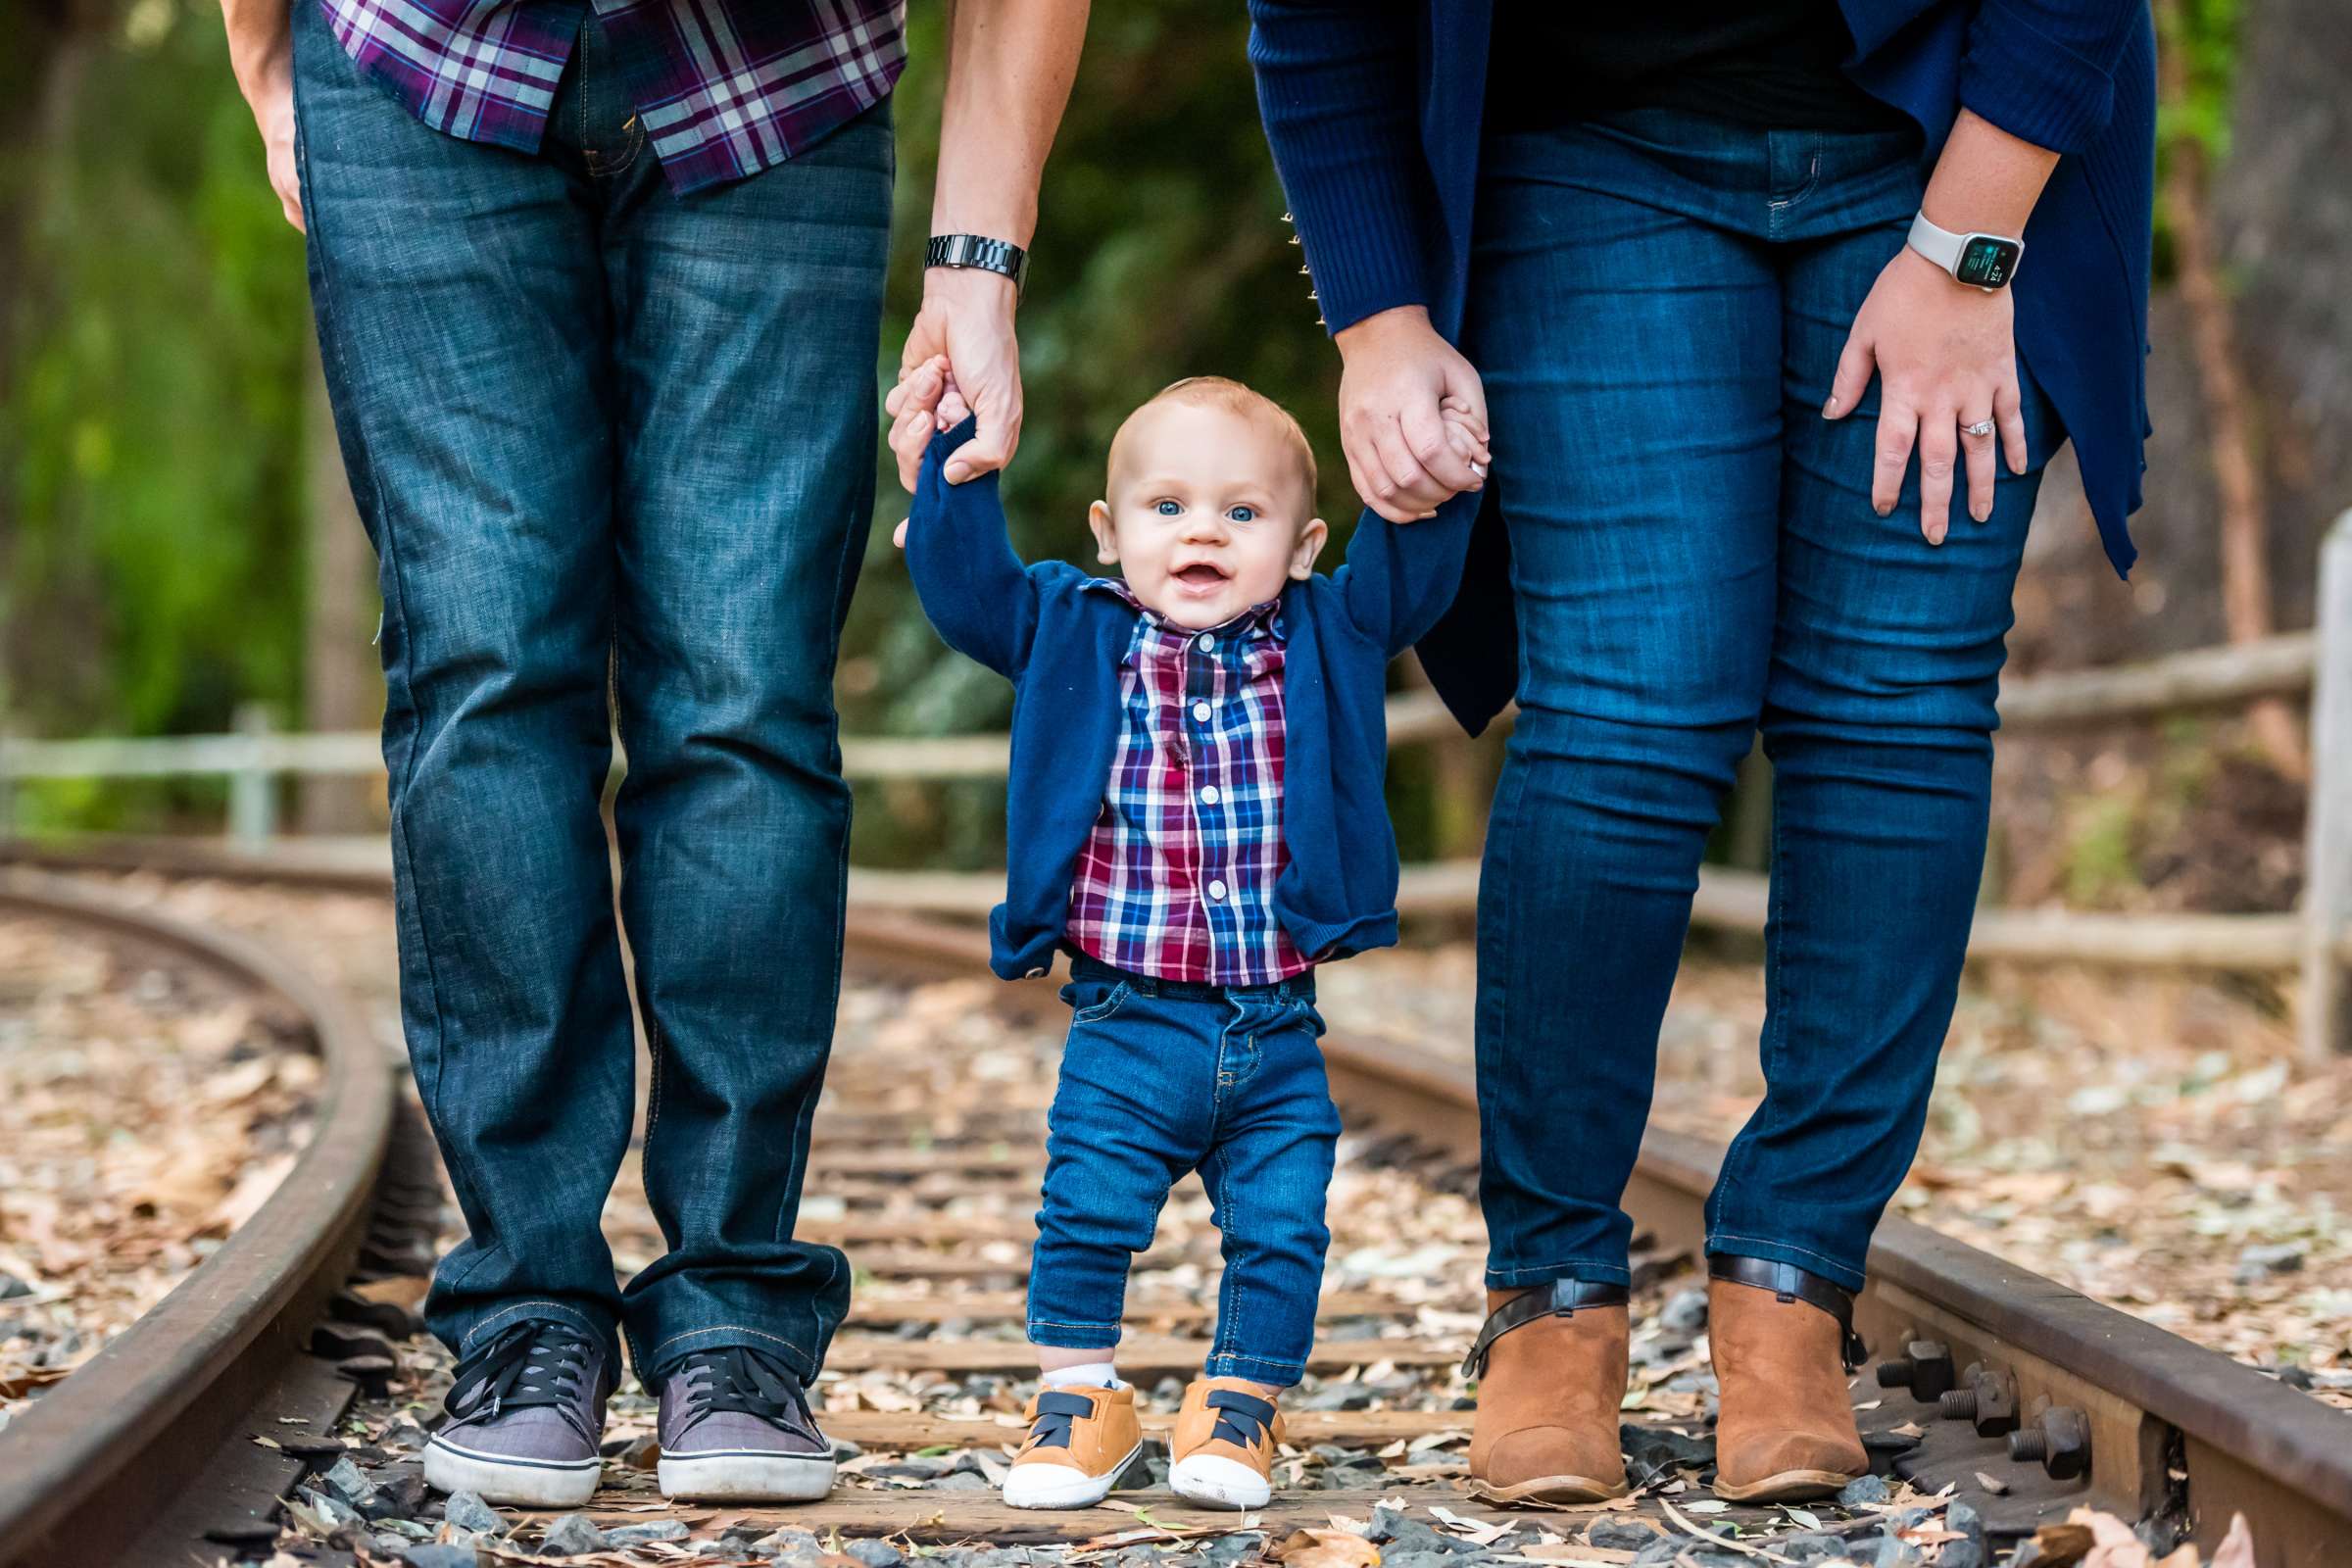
[{"x": 1324, "y": 1549}]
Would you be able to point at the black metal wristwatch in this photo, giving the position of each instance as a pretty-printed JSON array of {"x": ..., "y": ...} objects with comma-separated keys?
[{"x": 978, "y": 251}]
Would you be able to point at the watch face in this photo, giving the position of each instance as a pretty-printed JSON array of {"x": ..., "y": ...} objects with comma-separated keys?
[{"x": 1986, "y": 261}]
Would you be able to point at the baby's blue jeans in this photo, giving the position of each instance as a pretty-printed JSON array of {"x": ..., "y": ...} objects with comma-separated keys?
[{"x": 1161, "y": 1078}]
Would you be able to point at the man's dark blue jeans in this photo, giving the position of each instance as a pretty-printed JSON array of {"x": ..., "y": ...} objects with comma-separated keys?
[
  {"x": 616, "y": 453},
  {"x": 1657, "y": 306},
  {"x": 1161, "y": 1078}
]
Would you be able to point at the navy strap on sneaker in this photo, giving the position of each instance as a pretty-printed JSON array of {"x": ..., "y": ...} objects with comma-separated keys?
[
  {"x": 1054, "y": 1414},
  {"x": 1241, "y": 1418},
  {"x": 742, "y": 1379},
  {"x": 536, "y": 1362}
]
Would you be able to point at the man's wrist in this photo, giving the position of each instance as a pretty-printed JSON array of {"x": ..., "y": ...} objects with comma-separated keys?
[
  {"x": 977, "y": 253},
  {"x": 969, "y": 287}
]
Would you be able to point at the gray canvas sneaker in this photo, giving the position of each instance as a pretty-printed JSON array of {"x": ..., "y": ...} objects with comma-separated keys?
[
  {"x": 525, "y": 1415},
  {"x": 736, "y": 1425}
]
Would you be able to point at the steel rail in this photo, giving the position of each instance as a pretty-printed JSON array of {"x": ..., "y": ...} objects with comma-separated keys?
[
  {"x": 85, "y": 1468},
  {"x": 2248, "y": 1443},
  {"x": 2176, "y": 1428}
]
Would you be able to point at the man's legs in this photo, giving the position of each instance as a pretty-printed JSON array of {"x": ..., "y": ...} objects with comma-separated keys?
[
  {"x": 747, "y": 326},
  {"x": 462, "y": 326}
]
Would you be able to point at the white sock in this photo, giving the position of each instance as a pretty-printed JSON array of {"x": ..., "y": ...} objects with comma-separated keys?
[{"x": 1098, "y": 1373}]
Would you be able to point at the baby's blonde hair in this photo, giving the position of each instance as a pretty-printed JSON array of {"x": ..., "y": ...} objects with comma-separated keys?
[{"x": 1223, "y": 392}]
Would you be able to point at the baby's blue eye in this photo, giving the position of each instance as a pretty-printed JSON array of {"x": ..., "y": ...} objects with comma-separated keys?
[
  {"x": 1243, "y": 513},
  {"x": 1169, "y": 509}
]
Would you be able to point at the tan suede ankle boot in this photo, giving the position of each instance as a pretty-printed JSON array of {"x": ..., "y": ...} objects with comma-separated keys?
[
  {"x": 1786, "y": 1430},
  {"x": 1549, "y": 1384}
]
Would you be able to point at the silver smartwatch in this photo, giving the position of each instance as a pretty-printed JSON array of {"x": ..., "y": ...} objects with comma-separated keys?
[
  {"x": 1980, "y": 260},
  {"x": 978, "y": 251}
]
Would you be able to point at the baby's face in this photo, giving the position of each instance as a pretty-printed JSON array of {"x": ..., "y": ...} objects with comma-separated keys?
[{"x": 1209, "y": 514}]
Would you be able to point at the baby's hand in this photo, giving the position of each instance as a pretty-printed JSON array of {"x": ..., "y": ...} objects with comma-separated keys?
[{"x": 1467, "y": 438}]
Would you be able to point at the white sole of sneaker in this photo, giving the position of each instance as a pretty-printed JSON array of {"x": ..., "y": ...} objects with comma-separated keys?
[
  {"x": 1061, "y": 1485},
  {"x": 517, "y": 1482},
  {"x": 1218, "y": 1481},
  {"x": 745, "y": 1477}
]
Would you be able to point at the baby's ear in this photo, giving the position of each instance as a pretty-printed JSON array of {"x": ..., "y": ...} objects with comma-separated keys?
[
  {"x": 1106, "y": 537},
  {"x": 1309, "y": 547}
]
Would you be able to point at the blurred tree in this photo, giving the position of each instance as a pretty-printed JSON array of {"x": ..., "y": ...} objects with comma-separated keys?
[
  {"x": 155, "y": 394},
  {"x": 160, "y": 574}
]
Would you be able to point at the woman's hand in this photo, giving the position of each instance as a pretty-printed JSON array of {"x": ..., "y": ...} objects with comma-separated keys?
[
  {"x": 1402, "y": 390},
  {"x": 1946, "y": 358}
]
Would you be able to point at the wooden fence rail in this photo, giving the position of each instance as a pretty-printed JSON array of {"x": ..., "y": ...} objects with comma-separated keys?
[{"x": 2315, "y": 941}]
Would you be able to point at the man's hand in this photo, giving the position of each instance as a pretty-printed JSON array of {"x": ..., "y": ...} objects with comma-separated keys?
[
  {"x": 965, "y": 323},
  {"x": 1946, "y": 356},
  {"x": 1402, "y": 390},
  {"x": 261, "y": 51},
  {"x": 1010, "y": 66}
]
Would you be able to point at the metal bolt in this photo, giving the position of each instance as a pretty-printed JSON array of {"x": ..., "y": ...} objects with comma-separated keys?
[
  {"x": 1926, "y": 1370},
  {"x": 372, "y": 1373},
  {"x": 1987, "y": 1401},
  {"x": 334, "y": 1343},
  {"x": 2059, "y": 1439},
  {"x": 388, "y": 1318}
]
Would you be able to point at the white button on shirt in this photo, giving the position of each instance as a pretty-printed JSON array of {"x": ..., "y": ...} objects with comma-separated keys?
[
  {"x": 1205, "y": 642},
  {"x": 1216, "y": 890},
  {"x": 1201, "y": 711},
  {"x": 1208, "y": 795}
]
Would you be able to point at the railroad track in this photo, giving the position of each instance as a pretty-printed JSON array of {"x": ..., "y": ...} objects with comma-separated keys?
[{"x": 1992, "y": 1385}]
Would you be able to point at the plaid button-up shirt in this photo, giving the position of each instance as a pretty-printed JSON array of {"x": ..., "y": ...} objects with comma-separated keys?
[
  {"x": 1177, "y": 878},
  {"x": 725, "y": 88}
]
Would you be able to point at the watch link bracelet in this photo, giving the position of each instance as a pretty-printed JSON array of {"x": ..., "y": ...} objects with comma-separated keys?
[
  {"x": 974, "y": 250},
  {"x": 1980, "y": 260}
]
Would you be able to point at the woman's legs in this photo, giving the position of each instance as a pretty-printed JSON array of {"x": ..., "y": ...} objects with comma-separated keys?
[
  {"x": 1633, "y": 365},
  {"x": 1879, "y": 711}
]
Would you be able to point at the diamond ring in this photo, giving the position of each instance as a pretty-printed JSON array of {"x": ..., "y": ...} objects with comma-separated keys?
[{"x": 1980, "y": 428}]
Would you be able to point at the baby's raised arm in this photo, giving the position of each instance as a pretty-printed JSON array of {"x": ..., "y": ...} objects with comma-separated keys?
[{"x": 974, "y": 589}]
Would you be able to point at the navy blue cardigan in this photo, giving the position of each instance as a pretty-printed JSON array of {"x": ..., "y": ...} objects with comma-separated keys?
[
  {"x": 1061, "y": 648},
  {"x": 1372, "y": 108}
]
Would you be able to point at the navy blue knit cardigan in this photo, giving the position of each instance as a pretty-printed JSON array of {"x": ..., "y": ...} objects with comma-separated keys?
[{"x": 1372, "y": 108}]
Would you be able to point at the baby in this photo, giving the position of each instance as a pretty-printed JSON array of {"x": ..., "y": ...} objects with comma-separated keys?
[{"x": 1195, "y": 815}]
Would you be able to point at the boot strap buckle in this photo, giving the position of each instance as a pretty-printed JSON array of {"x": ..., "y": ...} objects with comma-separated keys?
[{"x": 1560, "y": 1299}]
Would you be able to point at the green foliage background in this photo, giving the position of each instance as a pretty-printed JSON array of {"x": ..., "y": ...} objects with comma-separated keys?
[
  {"x": 157, "y": 578},
  {"x": 157, "y": 401}
]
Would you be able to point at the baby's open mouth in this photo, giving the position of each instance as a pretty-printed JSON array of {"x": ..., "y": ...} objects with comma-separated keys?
[{"x": 1200, "y": 574}]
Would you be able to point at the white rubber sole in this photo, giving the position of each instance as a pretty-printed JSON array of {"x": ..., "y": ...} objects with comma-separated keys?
[
  {"x": 745, "y": 1477},
  {"x": 1216, "y": 1481},
  {"x": 517, "y": 1482},
  {"x": 1061, "y": 1485}
]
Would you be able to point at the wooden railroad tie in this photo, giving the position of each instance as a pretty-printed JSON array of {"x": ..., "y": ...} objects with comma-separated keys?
[{"x": 1141, "y": 1356}]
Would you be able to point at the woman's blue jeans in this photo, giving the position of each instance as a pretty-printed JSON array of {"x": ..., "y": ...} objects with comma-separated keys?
[
  {"x": 1656, "y": 305},
  {"x": 616, "y": 452}
]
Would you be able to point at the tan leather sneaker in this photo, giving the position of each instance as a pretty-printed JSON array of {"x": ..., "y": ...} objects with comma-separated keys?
[
  {"x": 1081, "y": 1438},
  {"x": 1550, "y": 1364},
  {"x": 1783, "y": 1343},
  {"x": 1222, "y": 1453}
]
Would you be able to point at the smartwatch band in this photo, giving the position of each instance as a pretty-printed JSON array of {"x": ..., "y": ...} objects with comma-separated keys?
[
  {"x": 1980, "y": 260},
  {"x": 998, "y": 256}
]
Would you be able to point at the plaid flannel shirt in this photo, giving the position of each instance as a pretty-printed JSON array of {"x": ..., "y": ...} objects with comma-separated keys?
[
  {"x": 1177, "y": 878},
  {"x": 725, "y": 88}
]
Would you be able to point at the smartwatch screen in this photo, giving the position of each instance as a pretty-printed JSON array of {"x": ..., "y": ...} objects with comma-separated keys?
[{"x": 1986, "y": 261}]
